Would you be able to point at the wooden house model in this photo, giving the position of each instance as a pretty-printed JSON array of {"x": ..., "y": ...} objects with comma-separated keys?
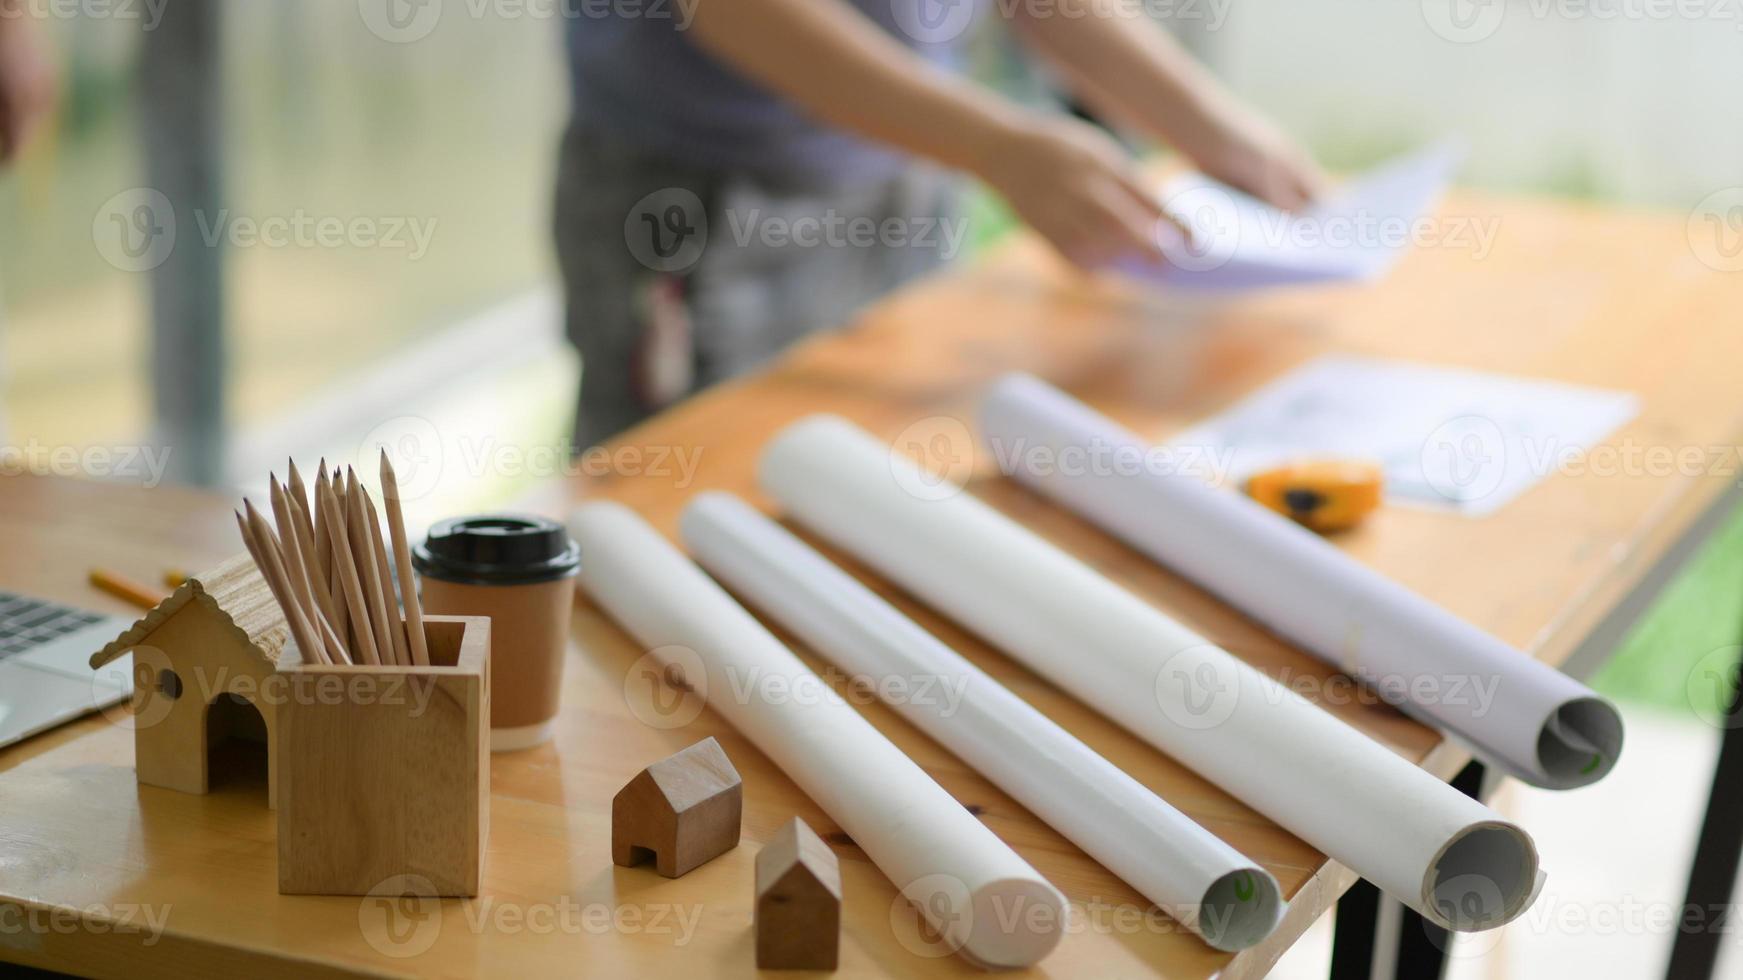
[
  {"x": 203, "y": 668},
  {"x": 375, "y": 771},
  {"x": 798, "y": 901},
  {"x": 682, "y": 811}
]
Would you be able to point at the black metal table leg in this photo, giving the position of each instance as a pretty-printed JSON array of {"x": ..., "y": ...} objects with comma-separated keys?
[
  {"x": 1706, "y": 904},
  {"x": 1421, "y": 945},
  {"x": 1353, "y": 931}
]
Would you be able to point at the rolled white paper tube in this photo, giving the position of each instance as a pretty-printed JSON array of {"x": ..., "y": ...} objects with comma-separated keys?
[
  {"x": 1191, "y": 874},
  {"x": 986, "y": 902},
  {"x": 1534, "y": 721},
  {"x": 1433, "y": 848}
]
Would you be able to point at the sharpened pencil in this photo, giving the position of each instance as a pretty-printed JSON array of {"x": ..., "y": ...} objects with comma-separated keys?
[
  {"x": 297, "y": 568},
  {"x": 125, "y": 589},
  {"x": 271, "y": 566},
  {"x": 378, "y": 548},
  {"x": 346, "y": 566},
  {"x": 363, "y": 552},
  {"x": 402, "y": 557}
]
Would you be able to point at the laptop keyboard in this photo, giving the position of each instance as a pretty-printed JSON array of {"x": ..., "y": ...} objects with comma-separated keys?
[{"x": 26, "y": 623}]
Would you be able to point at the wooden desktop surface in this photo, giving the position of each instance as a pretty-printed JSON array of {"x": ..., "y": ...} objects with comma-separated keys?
[{"x": 1593, "y": 297}]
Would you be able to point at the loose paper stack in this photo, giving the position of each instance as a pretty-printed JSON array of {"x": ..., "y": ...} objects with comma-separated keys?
[
  {"x": 1447, "y": 438},
  {"x": 1356, "y": 233}
]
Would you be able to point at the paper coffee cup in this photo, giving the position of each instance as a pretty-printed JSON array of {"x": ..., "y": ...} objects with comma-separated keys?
[{"x": 518, "y": 571}]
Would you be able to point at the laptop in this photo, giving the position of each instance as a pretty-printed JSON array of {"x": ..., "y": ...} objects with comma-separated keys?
[{"x": 45, "y": 672}]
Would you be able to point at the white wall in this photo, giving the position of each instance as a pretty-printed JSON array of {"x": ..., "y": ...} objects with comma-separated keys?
[{"x": 1631, "y": 100}]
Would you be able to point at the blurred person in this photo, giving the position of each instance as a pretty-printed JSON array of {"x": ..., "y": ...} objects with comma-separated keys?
[
  {"x": 27, "y": 97},
  {"x": 27, "y": 79},
  {"x": 698, "y": 132}
]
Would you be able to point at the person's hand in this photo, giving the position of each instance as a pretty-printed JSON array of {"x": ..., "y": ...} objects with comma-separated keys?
[
  {"x": 27, "y": 81},
  {"x": 1076, "y": 186},
  {"x": 1249, "y": 154}
]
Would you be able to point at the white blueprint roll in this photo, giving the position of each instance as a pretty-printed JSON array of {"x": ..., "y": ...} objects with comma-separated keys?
[
  {"x": 987, "y": 902},
  {"x": 1190, "y": 873},
  {"x": 1532, "y": 720},
  {"x": 1436, "y": 850}
]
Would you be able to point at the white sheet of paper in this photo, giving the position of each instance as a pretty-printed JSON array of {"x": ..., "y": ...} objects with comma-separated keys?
[
  {"x": 1356, "y": 233},
  {"x": 1452, "y": 439}
]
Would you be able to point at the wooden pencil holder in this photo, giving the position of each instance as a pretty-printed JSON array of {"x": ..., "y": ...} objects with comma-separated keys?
[{"x": 384, "y": 771}]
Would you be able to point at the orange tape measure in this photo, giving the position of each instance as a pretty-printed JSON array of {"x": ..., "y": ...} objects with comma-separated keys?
[{"x": 1324, "y": 495}]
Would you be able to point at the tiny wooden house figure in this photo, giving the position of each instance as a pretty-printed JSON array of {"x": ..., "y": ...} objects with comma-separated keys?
[
  {"x": 682, "y": 811},
  {"x": 798, "y": 902},
  {"x": 376, "y": 771},
  {"x": 203, "y": 667}
]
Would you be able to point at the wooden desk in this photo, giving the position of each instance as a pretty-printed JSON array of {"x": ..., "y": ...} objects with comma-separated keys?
[{"x": 1600, "y": 298}]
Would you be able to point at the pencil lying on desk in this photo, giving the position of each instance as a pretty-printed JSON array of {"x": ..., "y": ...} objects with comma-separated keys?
[{"x": 125, "y": 589}]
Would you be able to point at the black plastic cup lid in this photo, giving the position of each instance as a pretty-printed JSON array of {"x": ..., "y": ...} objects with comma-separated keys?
[{"x": 497, "y": 549}]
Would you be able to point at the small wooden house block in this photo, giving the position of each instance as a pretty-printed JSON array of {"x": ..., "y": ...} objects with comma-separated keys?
[
  {"x": 375, "y": 771},
  {"x": 798, "y": 902},
  {"x": 682, "y": 811},
  {"x": 203, "y": 663}
]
